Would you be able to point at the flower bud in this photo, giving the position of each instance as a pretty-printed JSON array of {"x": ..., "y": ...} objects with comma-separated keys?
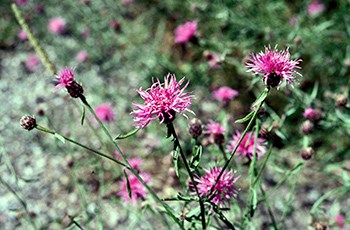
[
  {"x": 307, "y": 153},
  {"x": 28, "y": 122},
  {"x": 195, "y": 128},
  {"x": 75, "y": 90},
  {"x": 219, "y": 138},
  {"x": 341, "y": 100},
  {"x": 307, "y": 127}
]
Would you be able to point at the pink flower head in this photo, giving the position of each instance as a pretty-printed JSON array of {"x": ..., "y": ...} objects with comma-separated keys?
[
  {"x": 275, "y": 66},
  {"x": 246, "y": 147},
  {"x": 214, "y": 128},
  {"x": 162, "y": 101},
  {"x": 340, "y": 221},
  {"x": 224, "y": 190},
  {"x": 185, "y": 31},
  {"x": 22, "y": 35},
  {"x": 65, "y": 78},
  {"x": 224, "y": 94},
  {"x": 315, "y": 8},
  {"x": 127, "y": 2},
  {"x": 22, "y": 2},
  {"x": 57, "y": 25},
  {"x": 81, "y": 56},
  {"x": 213, "y": 59},
  {"x": 32, "y": 62},
  {"x": 312, "y": 114},
  {"x": 104, "y": 112},
  {"x": 137, "y": 190}
]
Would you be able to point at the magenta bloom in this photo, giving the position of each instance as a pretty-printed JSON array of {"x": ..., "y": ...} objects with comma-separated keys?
[
  {"x": 22, "y": 35},
  {"x": 275, "y": 66},
  {"x": 162, "y": 101},
  {"x": 315, "y": 8},
  {"x": 246, "y": 148},
  {"x": 213, "y": 59},
  {"x": 65, "y": 78},
  {"x": 224, "y": 94},
  {"x": 22, "y": 2},
  {"x": 81, "y": 56},
  {"x": 105, "y": 113},
  {"x": 340, "y": 221},
  {"x": 138, "y": 191},
  {"x": 312, "y": 114},
  {"x": 57, "y": 25},
  {"x": 32, "y": 62},
  {"x": 185, "y": 31},
  {"x": 224, "y": 190}
]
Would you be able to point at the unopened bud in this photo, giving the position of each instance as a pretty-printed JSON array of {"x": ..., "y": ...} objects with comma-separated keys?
[
  {"x": 219, "y": 138},
  {"x": 341, "y": 100},
  {"x": 28, "y": 122},
  {"x": 195, "y": 128},
  {"x": 307, "y": 127},
  {"x": 307, "y": 153},
  {"x": 75, "y": 90}
]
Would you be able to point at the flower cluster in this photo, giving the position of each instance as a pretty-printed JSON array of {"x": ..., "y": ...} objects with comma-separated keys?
[
  {"x": 224, "y": 189},
  {"x": 162, "y": 101},
  {"x": 275, "y": 66}
]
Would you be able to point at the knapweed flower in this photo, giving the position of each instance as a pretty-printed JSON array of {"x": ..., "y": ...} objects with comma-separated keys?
[
  {"x": 246, "y": 147},
  {"x": 224, "y": 94},
  {"x": 213, "y": 59},
  {"x": 162, "y": 101},
  {"x": 312, "y": 114},
  {"x": 57, "y": 25},
  {"x": 22, "y": 35},
  {"x": 66, "y": 79},
  {"x": 216, "y": 132},
  {"x": 185, "y": 31},
  {"x": 315, "y": 8},
  {"x": 105, "y": 113},
  {"x": 28, "y": 122},
  {"x": 81, "y": 56},
  {"x": 223, "y": 191},
  {"x": 137, "y": 190},
  {"x": 32, "y": 62},
  {"x": 275, "y": 66}
]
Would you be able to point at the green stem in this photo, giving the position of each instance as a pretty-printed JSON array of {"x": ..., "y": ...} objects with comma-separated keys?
[
  {"x": 33, "y": 41},
  {"x": 171, "y": 130},
  {"x": 261, "y": 99},
  {"x": 273, "y": 220},
  {"x": 133, "y": 171},
  {"x": 223, "y": 152},
  {"x": 43, "y": 129}
]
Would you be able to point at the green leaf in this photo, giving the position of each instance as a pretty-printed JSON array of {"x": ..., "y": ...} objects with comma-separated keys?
[
  {"x": 194, "y": 212},
  {"x": 60, "y": 138},
  {"x": 129, "y": 134},
  {"x": 127, "y": 183},
  {"x": 82, "y": 116},
  {"x": 254, "y": 199},
  {"x": 185, "y": 198},
  {"x": 176, "y": 161},
  {"x": 246, "y": 118},
  {"x": 261, "y": 98},
  {"x": 196, "y": 158}
]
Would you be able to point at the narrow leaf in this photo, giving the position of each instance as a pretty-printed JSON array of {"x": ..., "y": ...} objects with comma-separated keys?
[
  {"x": 127, "y": 183},
  {"x": 129, "y": 134},
  {"x": 246, "y": 118},
  {"x": 196, "y": 158},
  {"x": 60, "y": 138},
  {"x": 176, "y": 161},
  {"x": 82, "y": 116}
]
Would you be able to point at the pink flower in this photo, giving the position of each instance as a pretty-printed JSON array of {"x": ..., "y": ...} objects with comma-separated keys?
[
  {"x": 216, "y": 132},
  {"x": 225, "y": 93},
  {"x": 246, "y": 147},
  {"x": 137, "y": 190},
  {"x": 65, "y": 78},
  {"x": 312, "y": 114},
  {"x": 340, "y": 221},
  {"x": 185, "y": 31},
  {"x": 213, "y": 59},
  {"x": 275, "y": 66},
  {"x": 162, "y": 101},
  {"x": 127, "y": 2},
  {"x": 104, "y": 112},
  {"x": 32, "y": 62},
  {"x": 81, "y": 56},
  {"x": 22, "y": 35},
  {"x": 57, "y": 25},
  {"x": 315, "y": 8},
  {"x": 224, "y": 190},
  {"x": 22, "y": 2}
]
